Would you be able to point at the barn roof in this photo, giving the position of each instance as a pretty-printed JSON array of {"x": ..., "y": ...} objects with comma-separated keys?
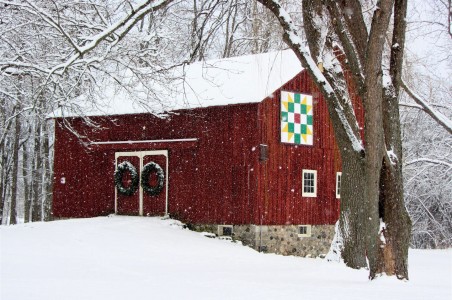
[{"x": 236, "y": 80}]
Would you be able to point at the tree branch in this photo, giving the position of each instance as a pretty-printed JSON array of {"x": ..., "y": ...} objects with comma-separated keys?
[
  {"x": 398, "y": 43},
  {"x": 428, "y": 160},
  {"x": 436, "y": 115},
  {"x": 353, "y": 16},
  {"x": 292, "y": 39},
  {"x": 351, "y": 52},
  {"x": 119, "y": 30}
]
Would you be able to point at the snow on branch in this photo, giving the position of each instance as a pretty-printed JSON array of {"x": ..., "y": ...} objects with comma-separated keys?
[
  {"x": 436, "y": 115},
  {"x": 350, "y": 49},
  {"x": 294, "y": 41},
  {"x": 113, "y": 34},
  {"x": 119, "y": 29},
  {"x": 410, "y": 105},
  {"x": 429, "y": 160}
]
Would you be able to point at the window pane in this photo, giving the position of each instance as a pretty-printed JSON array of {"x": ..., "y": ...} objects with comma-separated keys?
[
  {"x": 309, "y": 183},
  {"x": 338, "y": 184},
  {"x": 303, "y": 230}
]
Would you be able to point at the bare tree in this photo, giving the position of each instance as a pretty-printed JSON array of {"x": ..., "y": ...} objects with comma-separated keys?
[
  {"x": 427, "y": 175},
  {"x": 426, "y": 103},
  {"x": 51, "y": 53},
  {"x": 26, "y": 177},
  {"x": 15, "y": 168},
  {"x": 372, "y": 183}
]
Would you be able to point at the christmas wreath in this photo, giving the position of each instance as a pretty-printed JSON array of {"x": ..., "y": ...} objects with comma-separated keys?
[
  {"x": 123, "y": 167},
  {"x": 146, "y": 172}
]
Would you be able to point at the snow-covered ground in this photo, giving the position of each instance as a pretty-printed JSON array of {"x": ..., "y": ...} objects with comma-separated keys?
[{"x": 148, "y": 258}]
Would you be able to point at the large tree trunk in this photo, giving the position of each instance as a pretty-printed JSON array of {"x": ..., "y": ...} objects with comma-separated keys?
[
  {"x": 397, "y": 232},
  {"x": 372, "y": 98},
  {"x": 393, "y": 256},
  {"x": 352, "y": 197}
]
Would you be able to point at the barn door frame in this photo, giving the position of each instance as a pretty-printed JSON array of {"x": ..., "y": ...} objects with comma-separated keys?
[{"x": 141, "y": 155}]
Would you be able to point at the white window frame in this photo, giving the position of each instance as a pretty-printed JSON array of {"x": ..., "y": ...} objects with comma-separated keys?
[
  {"x": 338, "y": 179},
  {"x": 308, "y": 231},
  {"x": 306, "y": 194}
]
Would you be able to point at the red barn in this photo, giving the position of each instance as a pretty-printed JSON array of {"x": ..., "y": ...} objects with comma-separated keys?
[{"x": 248, "y": 150}]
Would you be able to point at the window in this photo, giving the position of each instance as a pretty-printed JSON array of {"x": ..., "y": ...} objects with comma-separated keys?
[
  {"x": 224, "y": 230},
  {"x": 263, "y": 152},
  {"x": 338, "y": 184},
  {"x": 304, "y": 230},
  {"x": 309, "y": 188}
]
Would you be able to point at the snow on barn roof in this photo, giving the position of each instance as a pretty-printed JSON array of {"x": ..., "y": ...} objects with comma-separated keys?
[{"x": 243, "y": 79}]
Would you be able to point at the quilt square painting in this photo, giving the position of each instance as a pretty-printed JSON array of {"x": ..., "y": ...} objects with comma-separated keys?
[{"x": 296, "y": 118}]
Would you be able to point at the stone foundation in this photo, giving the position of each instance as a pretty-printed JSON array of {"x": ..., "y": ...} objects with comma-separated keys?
[{"x": 284, "y": 240}]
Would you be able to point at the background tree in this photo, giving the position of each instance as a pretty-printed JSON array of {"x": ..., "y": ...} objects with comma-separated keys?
[
  {"x": 427, "y": 155},
  {"x": 51, "y": 53}
]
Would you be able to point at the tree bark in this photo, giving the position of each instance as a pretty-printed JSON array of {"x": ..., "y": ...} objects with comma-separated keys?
[
  {"x": 2, "y": 158},
  {"x": 397, "y": 233},
  {"x": 36, "y": 213},
  {"x": 353, "y": 212},
  {"x": 373, "y": 125},
  {"x": 2, "y": 186},
  {"x": 15, "y": 169},
  {"x": 25, "y": 174},
  {"x": 255, "y": 29},
  {"x": 47, "y": 178}
]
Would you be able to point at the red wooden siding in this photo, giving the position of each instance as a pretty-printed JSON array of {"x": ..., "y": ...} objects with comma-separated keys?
[
  {"x": 280, "y": 184},
  {"x": 210, "y": 181},
  {"x": 217, "y": 179},
  {"x": 86, "y": 173}
]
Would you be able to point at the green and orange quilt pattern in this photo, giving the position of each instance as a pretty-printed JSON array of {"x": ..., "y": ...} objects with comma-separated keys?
[{"x": 296, "y": 119}]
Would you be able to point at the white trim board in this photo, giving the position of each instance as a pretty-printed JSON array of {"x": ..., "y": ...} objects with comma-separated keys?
[{"x": 145, "y": 141}]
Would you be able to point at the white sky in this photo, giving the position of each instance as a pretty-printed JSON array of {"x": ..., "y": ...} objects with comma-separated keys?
[{"x": 428, "y": 39}]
